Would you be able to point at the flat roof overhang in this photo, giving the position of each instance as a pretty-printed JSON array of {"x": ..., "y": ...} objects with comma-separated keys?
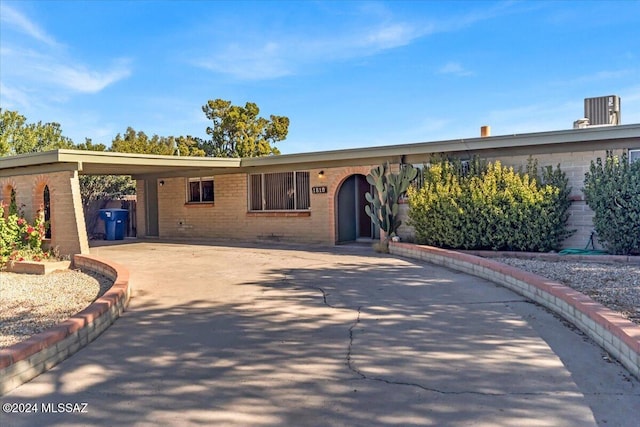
[
  {"x": 109, "y": 163},
  {"x": 142, "y": 166},
  {"x": 375, "y": 155}
]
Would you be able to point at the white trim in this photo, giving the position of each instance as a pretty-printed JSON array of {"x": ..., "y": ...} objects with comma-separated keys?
[{"x": 199, "y": 180}]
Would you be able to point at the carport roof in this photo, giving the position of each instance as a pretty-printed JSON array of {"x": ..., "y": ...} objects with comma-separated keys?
[
  {"x": 108, "y": 163},
  {"x": 141, "y": 165}
]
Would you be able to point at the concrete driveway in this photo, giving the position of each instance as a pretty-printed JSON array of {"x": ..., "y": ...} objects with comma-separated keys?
[{"x": 289, "y": 335}]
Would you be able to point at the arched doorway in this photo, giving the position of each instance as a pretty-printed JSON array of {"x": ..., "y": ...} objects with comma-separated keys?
[{"x": 353, "y": 222}]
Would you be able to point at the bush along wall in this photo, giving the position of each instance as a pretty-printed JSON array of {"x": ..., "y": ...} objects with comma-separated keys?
[
  {"x": 20, "y": 240},
  {"x": 612, "y": 191},
  {"x": 489, "y": 206}
]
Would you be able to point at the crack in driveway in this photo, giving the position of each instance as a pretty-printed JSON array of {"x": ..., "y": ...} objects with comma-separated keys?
[{"x": 350, "y": 362}]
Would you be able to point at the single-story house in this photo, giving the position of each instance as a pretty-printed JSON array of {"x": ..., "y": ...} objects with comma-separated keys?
[{"x": 309, "y": 197}]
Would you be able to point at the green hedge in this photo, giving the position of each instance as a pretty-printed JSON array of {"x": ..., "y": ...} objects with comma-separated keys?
[
  {"x": 612, "y": 191},
  {"x": 489, "y": 206}
]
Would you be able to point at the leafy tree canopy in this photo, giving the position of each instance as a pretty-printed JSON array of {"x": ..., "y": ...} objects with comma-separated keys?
[
  {"x": 88, "y": 145},
  {"x": 239, "y": 131},
  {"x": 139, "y": 142},
  {"x": 19, "y": 137},
  {"x": 186, "y": 146}
]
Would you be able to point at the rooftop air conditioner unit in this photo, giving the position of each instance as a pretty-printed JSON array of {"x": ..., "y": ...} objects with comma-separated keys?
[{"x": 604, "y": 110}]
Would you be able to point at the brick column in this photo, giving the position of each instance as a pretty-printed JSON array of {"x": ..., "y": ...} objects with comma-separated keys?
[{"x": 68, "y": 227}]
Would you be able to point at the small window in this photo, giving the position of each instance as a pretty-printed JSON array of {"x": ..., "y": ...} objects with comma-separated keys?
[
  {"x": 200, "y": 190},
  {"x": 634, "y": 156},
  {"x": 282, "y": 191},
  {"x": 46, "y": 196}
]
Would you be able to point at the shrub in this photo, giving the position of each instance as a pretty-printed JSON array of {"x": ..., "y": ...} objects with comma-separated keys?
[
  {"x": 489, "y": 206},
  {"x": 560, "y": 203},
  {"x": 20, "y": 240},
  {"x": 612, "y": 191},
  {"x": 437, "y": 210}
]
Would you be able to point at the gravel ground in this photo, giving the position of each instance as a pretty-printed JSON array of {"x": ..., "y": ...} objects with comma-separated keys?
[
  {"x": 30, "y": 303},
  {"x": 616, "y": 286}
]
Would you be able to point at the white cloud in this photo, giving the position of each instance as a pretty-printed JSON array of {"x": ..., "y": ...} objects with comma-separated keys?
[
  {"x": 12, "y": 98},
  {"x": 454, "y": 68},
  {"x": 44, "y": 66},
  {"x": 284, "y": 55},
  {"x": 375, "y": 30},
  {"x": 12, "y": 18},
  {"x": 56, "y": 73},
  {"x": 249, "y": 63},
  {"x": 392, "y": 35},
  {"x": 80, "y": 79}
]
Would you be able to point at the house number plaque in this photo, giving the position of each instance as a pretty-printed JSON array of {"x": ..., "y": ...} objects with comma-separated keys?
[{"x": 319, "y": 190}]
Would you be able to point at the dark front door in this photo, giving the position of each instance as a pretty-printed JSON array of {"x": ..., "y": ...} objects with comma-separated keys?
[{"x": 353, "y": 221}]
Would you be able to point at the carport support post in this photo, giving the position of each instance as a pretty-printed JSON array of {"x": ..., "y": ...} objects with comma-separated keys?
[{"x": 69, "y": 232}]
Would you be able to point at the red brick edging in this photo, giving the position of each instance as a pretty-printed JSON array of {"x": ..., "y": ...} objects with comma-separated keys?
[
  {"x": 617, "y": 335},
  {"x": 25, "y": 360}
]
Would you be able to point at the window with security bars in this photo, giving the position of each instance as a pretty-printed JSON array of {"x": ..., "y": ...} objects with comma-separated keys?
[
  {"x": 200, "y": 190},
  {"x": 281, "y": 191}
]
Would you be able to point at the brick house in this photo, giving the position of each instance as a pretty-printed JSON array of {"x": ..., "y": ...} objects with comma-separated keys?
[{"x": 309, "y": 197}]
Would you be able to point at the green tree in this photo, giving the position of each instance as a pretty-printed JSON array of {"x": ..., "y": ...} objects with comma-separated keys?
[
  {"x": 88, "y": 145},
  {"x": 612, "y": 191},
  {"x": 239, "y": 131},
  {"x": 19, "y": 137},
  {"x": 186, "y": 146},
  {"x": 138, "y": 142}
]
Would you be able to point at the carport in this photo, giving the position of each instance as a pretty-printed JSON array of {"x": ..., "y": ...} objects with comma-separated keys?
[{"x": 28, "y": 175}]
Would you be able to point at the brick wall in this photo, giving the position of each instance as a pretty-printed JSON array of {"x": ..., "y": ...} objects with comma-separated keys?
[
  {"x": 229, "y": 217},
  {"x": 68, "y": 232}
]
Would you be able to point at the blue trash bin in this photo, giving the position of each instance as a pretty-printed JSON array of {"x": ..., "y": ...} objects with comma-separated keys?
[{"x": 114, "y": 222}]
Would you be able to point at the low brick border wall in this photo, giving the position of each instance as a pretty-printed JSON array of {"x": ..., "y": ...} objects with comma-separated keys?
[
  {"x": 26, "y": 360},
  {"x": 617, "y": 335}
]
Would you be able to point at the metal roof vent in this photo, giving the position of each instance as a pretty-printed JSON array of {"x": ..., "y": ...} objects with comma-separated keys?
[
  {"x": 581, "y": 123},
  {"x": 604, "y": 110}
]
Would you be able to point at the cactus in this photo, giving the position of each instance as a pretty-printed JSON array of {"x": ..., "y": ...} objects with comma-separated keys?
[{"x": 387, "y": 188}]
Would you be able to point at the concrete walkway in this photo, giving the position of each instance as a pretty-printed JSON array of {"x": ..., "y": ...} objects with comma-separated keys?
[{"x": 297, "y": 336}]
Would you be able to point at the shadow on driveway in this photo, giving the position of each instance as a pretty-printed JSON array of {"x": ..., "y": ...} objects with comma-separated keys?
[{"x": 240, "y": 335}]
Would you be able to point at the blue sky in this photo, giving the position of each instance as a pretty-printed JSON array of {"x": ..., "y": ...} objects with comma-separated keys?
[{"x": 347, "y": 74}]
